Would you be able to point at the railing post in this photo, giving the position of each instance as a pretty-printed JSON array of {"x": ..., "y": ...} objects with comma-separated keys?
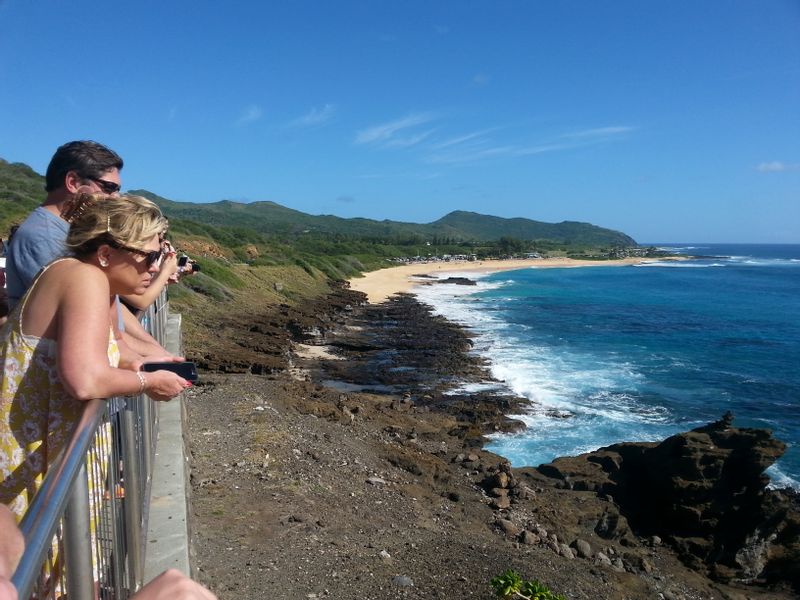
[
  {"x": 146, "y": 418},
  {"x": 133, "y": 500},
  {"x": 77, "y": 539}
]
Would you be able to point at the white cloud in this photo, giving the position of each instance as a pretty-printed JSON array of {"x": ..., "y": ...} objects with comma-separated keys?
[
  {"x": 472, "y": 139},
  {"x": 407, "y": 142},
  {"x": 315, "y": 117},
  {"x": 250, "y": 114},
  {"x": 541, "y": 149},
  {"x": 600, "y": 132},
  {"x": 383, "y": 133},
  {"x": 777, "y": 166},
  {"x": 471, "y": 155}
]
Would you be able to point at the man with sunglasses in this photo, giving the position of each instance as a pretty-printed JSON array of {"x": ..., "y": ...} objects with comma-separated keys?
[{"x": 76, "y": 167}]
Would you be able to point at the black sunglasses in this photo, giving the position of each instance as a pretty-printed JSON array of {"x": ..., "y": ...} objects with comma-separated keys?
[
  {"x": 108, "y": 187},
  {"x": 150, "y": 258}
]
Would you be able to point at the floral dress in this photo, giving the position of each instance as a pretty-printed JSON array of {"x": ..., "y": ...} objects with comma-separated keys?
[{"x": 37, "y": 415}]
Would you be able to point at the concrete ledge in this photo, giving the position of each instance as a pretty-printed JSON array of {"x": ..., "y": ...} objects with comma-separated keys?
[{"x": 167, "y": 543}]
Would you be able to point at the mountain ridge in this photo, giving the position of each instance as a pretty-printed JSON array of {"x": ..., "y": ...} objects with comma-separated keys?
[
  {"x": 22, "y": 189},
  {"x": 458, "y": 224}
]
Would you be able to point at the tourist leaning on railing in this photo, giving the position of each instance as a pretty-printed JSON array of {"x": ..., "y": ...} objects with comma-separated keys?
[{"x": 58, "y": 347}]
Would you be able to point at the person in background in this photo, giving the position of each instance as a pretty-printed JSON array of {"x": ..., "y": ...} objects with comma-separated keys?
[
  {"x": 76, "y": 167},
  {"x": 58, "y": 347}
]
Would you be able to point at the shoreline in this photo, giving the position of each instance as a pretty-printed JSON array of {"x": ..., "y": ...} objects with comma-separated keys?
[
  {"x": 300, "y": 489},
  {"x": 380, "y": 285}
]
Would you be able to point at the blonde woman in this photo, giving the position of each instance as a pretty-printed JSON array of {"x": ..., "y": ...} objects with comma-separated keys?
[{"x": 58, "y": 347}]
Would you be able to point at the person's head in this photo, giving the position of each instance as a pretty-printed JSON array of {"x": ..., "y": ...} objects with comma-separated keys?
[
  {"x": 84, "y": 166},
  {"x": 121, "y": 235}
]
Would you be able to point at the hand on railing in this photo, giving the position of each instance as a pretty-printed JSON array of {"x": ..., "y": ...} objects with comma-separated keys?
[
  {"x": 12, "y": 545},
  {"x": 163, "y": 385},
  {"x": 173, "y": 585}
]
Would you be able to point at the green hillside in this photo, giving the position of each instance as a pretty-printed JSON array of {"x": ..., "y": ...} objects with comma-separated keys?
[
  {"x": 245, "y": 246},
  {"x": 21, "y": 190},
  {"x": 458, "y": 226},
  {"x": 486, "y": 227}
]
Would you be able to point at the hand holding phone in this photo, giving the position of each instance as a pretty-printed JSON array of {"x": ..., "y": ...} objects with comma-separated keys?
[{"x": 186, "y": 369}]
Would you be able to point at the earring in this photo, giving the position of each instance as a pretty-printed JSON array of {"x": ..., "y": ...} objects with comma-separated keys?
[{"x": 103, "y": 263}]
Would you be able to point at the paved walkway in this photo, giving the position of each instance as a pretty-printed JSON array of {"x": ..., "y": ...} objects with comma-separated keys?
[{"x": 167, "y": 543}]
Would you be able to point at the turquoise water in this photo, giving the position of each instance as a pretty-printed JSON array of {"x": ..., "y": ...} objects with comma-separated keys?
[{"x": 611, "y": 354}]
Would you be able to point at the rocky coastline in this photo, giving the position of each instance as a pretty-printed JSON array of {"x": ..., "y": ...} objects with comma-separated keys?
[{"x": 355, "y": 471}]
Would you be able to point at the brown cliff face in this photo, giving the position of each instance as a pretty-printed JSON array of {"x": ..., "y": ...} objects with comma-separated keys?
[{"x": 705, "y": 492}]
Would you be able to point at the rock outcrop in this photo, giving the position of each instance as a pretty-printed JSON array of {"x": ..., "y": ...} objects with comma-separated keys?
[{"x": 704, "y": 492}]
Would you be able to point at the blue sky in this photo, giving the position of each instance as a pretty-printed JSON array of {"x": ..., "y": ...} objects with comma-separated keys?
[{"x": 668, "y": 120}]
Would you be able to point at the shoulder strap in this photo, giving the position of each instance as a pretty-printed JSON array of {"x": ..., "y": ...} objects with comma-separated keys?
[{"x": 24, "y": 298}]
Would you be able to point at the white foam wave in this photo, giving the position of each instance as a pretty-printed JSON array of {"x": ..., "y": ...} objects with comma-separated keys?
[
  {"x": 679, "y": 265},
  {"x": 779, "y": 479}
]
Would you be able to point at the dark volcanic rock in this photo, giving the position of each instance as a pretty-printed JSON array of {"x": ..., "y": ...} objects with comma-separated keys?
[
  {"x": 457, "y": 281},
  {"x": 401, "y": 346},
  {"x": 259, "y": 343},
  {"x": 705, "y": 492}
]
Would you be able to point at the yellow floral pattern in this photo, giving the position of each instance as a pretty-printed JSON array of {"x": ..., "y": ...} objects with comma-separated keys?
[{"x": 37, "y": 415}]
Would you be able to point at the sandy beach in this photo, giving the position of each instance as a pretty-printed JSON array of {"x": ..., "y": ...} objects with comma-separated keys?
[{"x": 380, "y": 285}]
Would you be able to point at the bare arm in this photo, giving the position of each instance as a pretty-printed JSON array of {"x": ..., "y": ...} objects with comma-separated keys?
[
  {"x": 12, "y": 545},
  {"x": 136, "y": 338},
  {"x": 82, "y": 340}
]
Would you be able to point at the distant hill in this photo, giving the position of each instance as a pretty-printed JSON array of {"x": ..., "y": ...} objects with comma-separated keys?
[
  {"x": 22, "y": 189},
  {"x": 486, "y": 227},
  {"x": 272, "y": 218}
]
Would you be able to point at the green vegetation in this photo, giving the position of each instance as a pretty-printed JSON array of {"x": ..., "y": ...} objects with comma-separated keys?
[
  {"x": 511, "y": 585},
  {"x": 230, "y": 238},
  {"x": 455, "y": 228},
  {"x": 21, "y": 190}
]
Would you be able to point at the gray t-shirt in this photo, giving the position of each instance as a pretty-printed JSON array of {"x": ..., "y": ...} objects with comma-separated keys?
[{"x": 39, "y": 240}]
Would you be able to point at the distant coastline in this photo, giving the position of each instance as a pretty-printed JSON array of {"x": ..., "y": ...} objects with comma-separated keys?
[{"x": 380, "y": 285}]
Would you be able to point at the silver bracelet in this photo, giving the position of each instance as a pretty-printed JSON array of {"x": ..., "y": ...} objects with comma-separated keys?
[{"x": 142, "y": 381}]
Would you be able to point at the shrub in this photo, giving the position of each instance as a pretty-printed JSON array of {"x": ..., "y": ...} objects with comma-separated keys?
[{"x": 511, "y": 585}]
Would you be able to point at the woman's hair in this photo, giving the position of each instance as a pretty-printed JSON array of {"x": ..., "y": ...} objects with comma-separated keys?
[{"x": 97, "y": 219}]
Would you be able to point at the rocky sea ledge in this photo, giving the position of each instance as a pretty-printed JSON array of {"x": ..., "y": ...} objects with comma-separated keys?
[{"x": 331, "y": 456}]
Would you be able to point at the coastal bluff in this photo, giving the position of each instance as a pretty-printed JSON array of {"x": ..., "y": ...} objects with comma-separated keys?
[{"x": 331, "y": 457}]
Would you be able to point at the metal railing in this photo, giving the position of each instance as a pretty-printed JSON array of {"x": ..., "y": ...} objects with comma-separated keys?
[{"x": 86, "y": 526}]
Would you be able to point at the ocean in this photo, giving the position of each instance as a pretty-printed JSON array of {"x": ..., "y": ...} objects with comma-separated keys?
[{"x": 638, "y": 353}]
